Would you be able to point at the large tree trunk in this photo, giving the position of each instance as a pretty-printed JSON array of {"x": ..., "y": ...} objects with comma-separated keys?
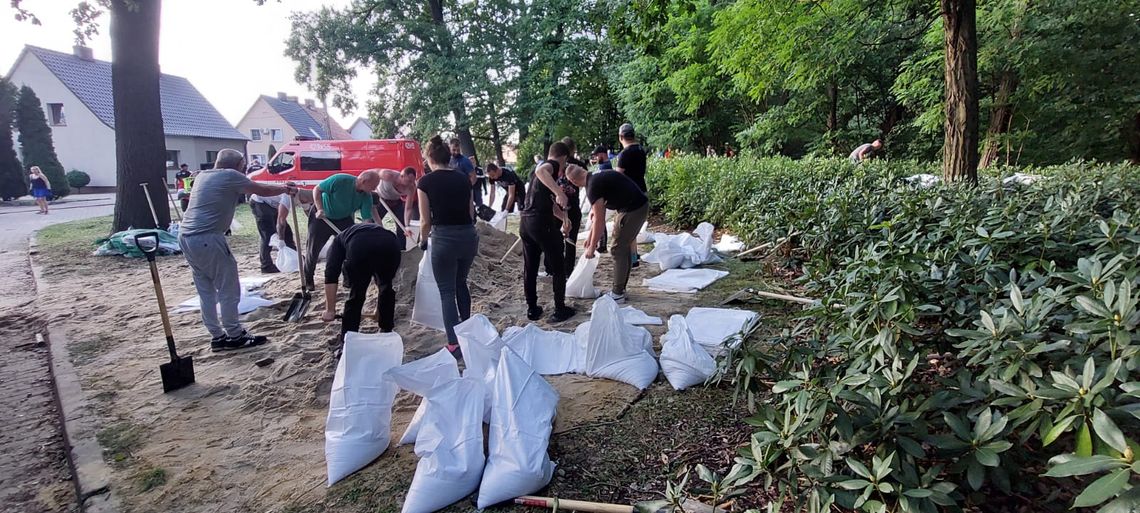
[
  {"x": 1133, "y": 135},
  {"x": 1001, "y": 115},
  {"x": 960, "y": 149},
  {"x": 833, "y": 114},
  {"x": 496, "y": 135},
  {"x": 140, "y": 146}
]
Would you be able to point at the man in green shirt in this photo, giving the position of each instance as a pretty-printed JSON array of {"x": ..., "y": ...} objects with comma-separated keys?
[{"x": 341, "y": 196}]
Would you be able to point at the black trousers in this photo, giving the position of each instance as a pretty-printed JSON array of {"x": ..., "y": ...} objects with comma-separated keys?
[
  {"x": 542, "y": 238},
  {"x": 477, "y": 190},
  {"x": 266, "y": 217},
  {"x": 520, "y": 199},
  {"x": 571, "y": 256},
  {"x": 368, "y": 259},
  {"x": 397, "y": 207},
  {"x": 319, "y": 234}
]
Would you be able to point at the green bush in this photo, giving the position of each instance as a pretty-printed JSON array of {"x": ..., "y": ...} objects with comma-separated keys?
[
  {"x": 985, "y": 339},
  {"x": 78, "y": 179}
]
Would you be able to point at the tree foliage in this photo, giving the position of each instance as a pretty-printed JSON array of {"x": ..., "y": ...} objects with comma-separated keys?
[
  {"x": 36, "y": 142},
  {"x": 13, "y": 184}
]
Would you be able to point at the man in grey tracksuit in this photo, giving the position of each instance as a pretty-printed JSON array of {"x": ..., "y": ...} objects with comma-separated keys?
[{"x": 203, "y": 241}]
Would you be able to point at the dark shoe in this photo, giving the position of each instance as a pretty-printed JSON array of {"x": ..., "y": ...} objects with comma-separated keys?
[
  {"x": 534, "y": 313},
  {"x": 243, "y": 341},
  {"x": 218, "y": 343},
  {"x": 270, "y": 270},
  {"x": 562, "y": 313},
  {"x": 603, "y": 249}
]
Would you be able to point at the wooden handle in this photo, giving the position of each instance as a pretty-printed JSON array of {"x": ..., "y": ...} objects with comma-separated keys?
[
  {"x": 571, "y": 505},
  {"x": 153, "y": 214},
  {"x": 399, "y": 224},
  {"x": 511, "y": 250},
  {"x": 331, "y": 225},
  {"x": 794, "y": 299},
  {"x": 297, "y": 242}
]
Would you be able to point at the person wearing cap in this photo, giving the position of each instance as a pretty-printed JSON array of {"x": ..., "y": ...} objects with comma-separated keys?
[
  {"x": 601, "y": 156},
  {"x": 632, "y": 163}
]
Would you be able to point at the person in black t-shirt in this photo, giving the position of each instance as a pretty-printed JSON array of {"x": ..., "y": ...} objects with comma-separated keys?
[
  {"x": 366, "y": 251},
  {"x": 542, "y": 214},
  {"x": 574, "y": 207},
  {"x": 513, "y": 188},
  {"x": 614, "y": 191},
  {"x": 632, "y": 162}
]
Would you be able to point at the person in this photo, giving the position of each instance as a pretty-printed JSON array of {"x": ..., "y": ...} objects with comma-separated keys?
[
  {"x": 41, "y": 188},
  {"x": 461, "y": 163},
  {"x": 253, "y": 166},
  {"x": 710, "y": 151},
  {"x": 601, "y": 157},
  {"x": 573, "y": 208},
  {"x": 728, "y": 151},
  {"x": 337, "y": 199},
  {"x": 203, "y": 242},
  {"x": 398, "y": 192},
  {"x": 186, "y": 182},
  {"x": 512, "y": 185},
  {"x": 632, "y": 163},
  {"x": 614, "y": 191},
  {"x": 542, "y": 214},
  {"x": 447, "y": 219},
  {"x": 365, "y": 252},
  {"x": 865, "y": 151},
  {"x": 267, "y": 212}
]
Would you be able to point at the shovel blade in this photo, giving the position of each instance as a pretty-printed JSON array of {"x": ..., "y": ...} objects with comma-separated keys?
[
  {"x": 298, "y": 307},
  {"x": 177, "y": 373}
]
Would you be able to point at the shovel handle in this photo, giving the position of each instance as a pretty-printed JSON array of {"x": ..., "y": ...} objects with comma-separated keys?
[
  {"x": 161, "y": 302},
  {"x": 150, "y": 203},
  {"x": 511, "y": 250},
  {"x": 331, "y": 225},
  {"x": 564, "y": 504},
  {"x": 297, "y": 238}
]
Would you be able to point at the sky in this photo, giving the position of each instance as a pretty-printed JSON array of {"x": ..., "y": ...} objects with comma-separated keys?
[{"x": 197, "y": 38}]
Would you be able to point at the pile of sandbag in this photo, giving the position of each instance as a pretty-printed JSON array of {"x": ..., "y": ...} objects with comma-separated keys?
[{"x": 684, "y": 250}]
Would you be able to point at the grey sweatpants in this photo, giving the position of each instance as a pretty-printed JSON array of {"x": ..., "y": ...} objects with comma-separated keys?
[{"x": 216, "y": 278}]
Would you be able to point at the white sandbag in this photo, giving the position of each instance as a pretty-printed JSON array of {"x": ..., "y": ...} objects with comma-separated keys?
[
  {"x": 249, "y": 302},
  {"x": 685, "y": 362},
  {"x": 324, "y": 255},
  {"x": 286, "y": 259},
  {"x": 729, "y": 244},
  {"x": 480, "y": 343},
  {"x": 717, "y": 329},
  {"x": 235, "y": 225},
  {"x": 547, "y": 352},
  {"x": 450, "y": 447},
  {"x": 612, "y": 353},
  {"x": 683, "y": 250},
  {"x": 634, "y": 316},
  {"x": 499, "y": 221},
  {"x": 923, "y": 180},
  {"x": 522, "y": 416},
  {"x": 684, "y": 280},
  {"x": 581, "y": 281},
  {"x": 1020, "y": 179},
  {"x": 419, "y": 377},
  {"x": 427, "y": 309},
  {"x": 644, "y": 236},
  {"x": 359, "y": 423}
]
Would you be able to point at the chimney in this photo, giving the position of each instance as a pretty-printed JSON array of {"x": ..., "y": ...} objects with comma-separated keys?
[
  {"x": 291, "y": 99},
  {"x": 309, "y": 103},
  {"x": 281, "y": 96},
  {"x": 83, "y": 52}
]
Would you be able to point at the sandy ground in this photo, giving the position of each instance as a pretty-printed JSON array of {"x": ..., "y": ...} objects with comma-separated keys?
[{"x": 249, "y": 438}]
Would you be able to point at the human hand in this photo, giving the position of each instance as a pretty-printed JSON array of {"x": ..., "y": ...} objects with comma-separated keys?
[
  {"x": 320, "y": 212},
  {"x": 565, "y": 228},
  {"x": 561, "y": 198},
  {"x": 589, "y": 253},
  {"x": 328, "y": 315}
]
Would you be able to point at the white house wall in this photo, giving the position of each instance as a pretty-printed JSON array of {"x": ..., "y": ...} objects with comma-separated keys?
[
  {"x": 262, "y": 117},
  {"x": 85, "y": 143}
]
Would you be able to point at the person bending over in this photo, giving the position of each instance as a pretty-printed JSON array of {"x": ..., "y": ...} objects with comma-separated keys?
[
  {"x": 865, "y": 151},
  {"x": 203, "y": 242},
  {"x": 364, "y": 252},
  {"x": 447, "y": 218},
  {"x": 267, "y": 212},
  {"x": 543, "y": 228},
  {"x": 614, "y": 191},
  {"x": 395, "y": 190},
  {"x": 512, "y": 185},
  {"x": 337, "y": 199}
]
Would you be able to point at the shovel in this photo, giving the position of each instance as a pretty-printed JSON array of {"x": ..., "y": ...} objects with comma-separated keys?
[
  {"x": 689, "y": 506},
  {"x": 173, "y": 204},
  {"x": 179, "y": 372},
  {"x": 153, "y": 214},
  {"x": 299, "y": 306}
]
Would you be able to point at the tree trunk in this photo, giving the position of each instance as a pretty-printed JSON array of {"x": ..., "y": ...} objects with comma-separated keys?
[
  {"x": 496, "y": 136},
  {"x": 960, "y": 149},
  {"x": 1134, "y": 140},
  {"x": 833, "y": 114},
  {"x": 140, "y": 146},
  {"x": 1001, "y": 115}
]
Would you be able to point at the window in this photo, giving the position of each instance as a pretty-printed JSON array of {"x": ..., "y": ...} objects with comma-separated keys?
[
  {"x": 320, "y": 160},
  {"x": 258, "y": 158},
  {"x": 211, "y": 157},
  {"x": 255, "y": 134},
  {"x": 57, "y": 117},
  {"x": 172, "y": 159},
  {"x": 276, "y": 134},
  {"x": 281, "y": 162}
]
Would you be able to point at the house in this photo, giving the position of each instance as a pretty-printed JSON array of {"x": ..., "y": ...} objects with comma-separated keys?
[
  {"x": 75, "y": 90},
  {"x": 274, "y": 120},
  {"x": 360, "y": 129}
]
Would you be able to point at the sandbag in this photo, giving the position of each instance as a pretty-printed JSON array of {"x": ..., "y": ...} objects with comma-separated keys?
[
  {"x": 684, "y": 361},
  {"x": 581, "y": 281},
  {"x": 359, "y": 423},
  {"x": 522, "y": 416},
  {"x": 499, "y": 221},
  {"x": 547, "y": 352},
  {"x": 480, "y": 343},
  {"x": 427, "y": 309},
  {"x": 450, "y": 446},
  {"x": 687, "y": 281},
  {"x": 286, "y": 259},
  {"x": 729, "y": 244},
  {"x": 632, "y": 315},
  {"x": 611, "y": 351},
  {"x": 419, "y": 377},
  {"x": 683, "y": 250},
  {"x": 718, "y": 329}
]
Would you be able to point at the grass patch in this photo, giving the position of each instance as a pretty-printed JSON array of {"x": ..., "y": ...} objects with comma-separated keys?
[
  {"x": 88, "y": 349},
  {"x": 150, "y": 479},
  {"x": 118, "y": 442}
]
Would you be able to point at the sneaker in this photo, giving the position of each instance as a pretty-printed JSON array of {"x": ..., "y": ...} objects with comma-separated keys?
[
  {"x": 218, "y": 343},
  {"x": 534, "y": 313},
  {"x": 603, "y": 249},
  {"x": 243, "y": 341},
  {"x": 562, "y": 313},
  {"x": 618, "y": 298}
]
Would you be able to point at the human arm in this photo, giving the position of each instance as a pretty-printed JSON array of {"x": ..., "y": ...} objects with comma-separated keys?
[
  {"x": 511, "y": 197},
  {"x": 409, "y": 209},
  {"x": 267, "y": 189},
  {"x": 318, "y": 204},
  {"x": 545, "y": 176},
  {"x": 492, "y": 200},
  {"x": 283, "y": 216},
  {"x": 597, "y": 225},
  {"x": 560, "y": 214},
  {"x": 332, "y": 276},
  {"x": 425, "y": 215}
]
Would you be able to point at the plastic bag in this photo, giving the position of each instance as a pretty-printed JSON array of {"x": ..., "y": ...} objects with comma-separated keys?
[
  {"x": 644, "y": 236},
  {"x": 547, "y": 352},
  {"x": 729, "y": 244},
  {"x": 634, "y": 316},
  {"x": 419, "y": 377},
  {"x": 688, "y": 281},
  {"x": 581, "y": 281},
  {"x": 450, "y": 447},
  {"x": 480, "y": 343},
  {"x": 499, "y": 221},
  {"x": 684, "y": 361},
  {"x": 286, "y": 259},
  {"x": 683, "y": 250},
  {"x": 428, "y": 307},
  {"x": 522, "y": 416},
  {"x": 359, "y": 423},
  {"x": 716, "y": 329},
  {"x": 611, "y": 351}
]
